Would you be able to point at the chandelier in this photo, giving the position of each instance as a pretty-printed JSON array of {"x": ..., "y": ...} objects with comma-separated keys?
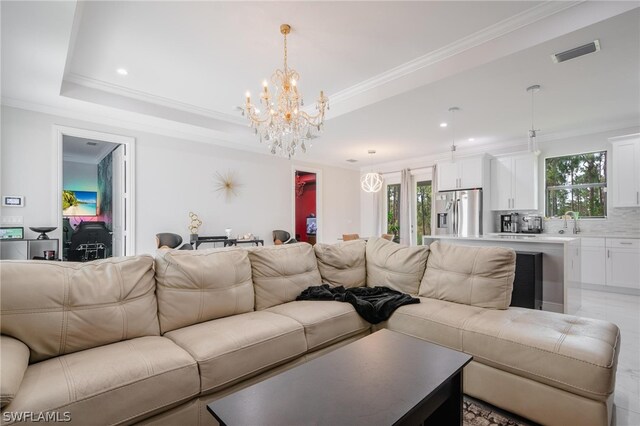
[
  {"x": 533, "y": 133},
  {"x": 371, "y": 182},
  {"x": 282, "y": 123}
]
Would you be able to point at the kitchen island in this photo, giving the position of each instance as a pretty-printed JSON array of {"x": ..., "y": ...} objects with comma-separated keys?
[{"x": 561, "y": 280}]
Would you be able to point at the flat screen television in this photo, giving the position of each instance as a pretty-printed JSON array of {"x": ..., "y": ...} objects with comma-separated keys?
[
  {"x": 79, "y": 203},
  {"x": 312, "y": 226}
]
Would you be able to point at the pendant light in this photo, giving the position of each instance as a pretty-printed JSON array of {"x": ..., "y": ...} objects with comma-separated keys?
[
  {"x": 453, "y": 111},
  {"x": 371, "y": 182},
  {"x": 532, "y": 139}
]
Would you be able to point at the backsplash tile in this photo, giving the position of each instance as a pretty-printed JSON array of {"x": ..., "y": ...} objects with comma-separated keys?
[{"x": 619, "y": 220}]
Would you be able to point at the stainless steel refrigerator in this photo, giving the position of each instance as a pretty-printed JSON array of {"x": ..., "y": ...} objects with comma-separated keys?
[{"x": 459, "y": 213}]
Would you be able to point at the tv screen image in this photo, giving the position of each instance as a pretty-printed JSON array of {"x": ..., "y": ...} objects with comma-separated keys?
[
  {"x": 312, "y": 226},
  {"x": 79, "y": 203}
]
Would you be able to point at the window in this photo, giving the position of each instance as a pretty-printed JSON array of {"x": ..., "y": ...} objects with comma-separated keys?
[
  {"x": 577, "y": 183},
  {"x": 423, "y": 210},
  {"x": 393, "y": 211}
]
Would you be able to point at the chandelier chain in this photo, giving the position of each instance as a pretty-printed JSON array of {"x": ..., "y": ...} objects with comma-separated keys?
[{"x": 285, "y": 52}]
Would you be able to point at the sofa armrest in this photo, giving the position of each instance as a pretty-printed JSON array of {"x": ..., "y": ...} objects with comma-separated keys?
[{"x": 14, "y": 360}]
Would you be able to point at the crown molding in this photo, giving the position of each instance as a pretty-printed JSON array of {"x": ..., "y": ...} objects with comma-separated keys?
[
  {"x": 115, "y": 89},
  {"x": 485, "y": 35},
  {"x": 147, "y": 124},
  {"x": 162, "y": 127}
]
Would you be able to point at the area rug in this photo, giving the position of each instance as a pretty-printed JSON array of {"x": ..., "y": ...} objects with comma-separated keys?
[{"x": 477, "y": 413}]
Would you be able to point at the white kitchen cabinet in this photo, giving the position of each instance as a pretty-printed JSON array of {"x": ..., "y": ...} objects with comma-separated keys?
[
  {"x": 625, "y": 169},
  {"x": 463, "y": 173},
  {"x": 514, "y": 182},
  {"x": 623, "y": 262},
  {"x": 593, "y": 261},
  {"x": 448, "y": 175}
]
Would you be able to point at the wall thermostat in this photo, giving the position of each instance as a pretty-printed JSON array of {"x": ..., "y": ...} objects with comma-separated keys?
[{"x": 12, "y": 201}]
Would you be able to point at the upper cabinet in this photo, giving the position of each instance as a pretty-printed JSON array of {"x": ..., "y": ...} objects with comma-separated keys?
[
  {"x": 514, "y": 182},
  {"x": 625, "y": 185},
  {"x": 463, "y": 173}
]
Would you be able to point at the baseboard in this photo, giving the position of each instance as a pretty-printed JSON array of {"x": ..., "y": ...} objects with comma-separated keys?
[{"x": 611, "y": 289}]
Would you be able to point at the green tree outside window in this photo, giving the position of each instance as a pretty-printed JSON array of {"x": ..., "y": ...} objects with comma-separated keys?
[{"x": 577, "y": 183}]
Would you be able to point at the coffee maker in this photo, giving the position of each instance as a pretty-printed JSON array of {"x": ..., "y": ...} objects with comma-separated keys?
[
  {"x": 532, "y": 224},
  {"x": 510, "y": 223}
]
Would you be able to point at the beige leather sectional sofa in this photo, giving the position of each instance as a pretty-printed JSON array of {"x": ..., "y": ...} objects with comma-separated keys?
[{"x": 144, "y": 340}]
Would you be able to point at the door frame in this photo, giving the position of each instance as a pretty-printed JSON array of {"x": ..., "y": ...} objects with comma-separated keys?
[
  {"x": 319, "y": 210},
  {"x": 58, "y": 134}
]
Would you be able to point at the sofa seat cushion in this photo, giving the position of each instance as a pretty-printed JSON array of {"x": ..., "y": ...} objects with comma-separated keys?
[
  {"x": 567, "y": 352},
  {"x": 237, "y": 347},
  {"x": 324, "y": 322},
  {"x": 436, "y": 321},
  {"x": 117, "y": 383}
]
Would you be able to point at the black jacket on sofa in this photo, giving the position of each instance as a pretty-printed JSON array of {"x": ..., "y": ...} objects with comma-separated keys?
[{"x": 374, "y": 304}]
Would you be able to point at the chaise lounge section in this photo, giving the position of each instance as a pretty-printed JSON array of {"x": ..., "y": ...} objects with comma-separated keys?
[{"x": 152, "y": 341}]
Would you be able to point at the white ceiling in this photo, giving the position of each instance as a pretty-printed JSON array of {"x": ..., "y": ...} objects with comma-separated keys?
[
  {"x": 88, "y": 151},
  {"x": 391, "y": 69}
]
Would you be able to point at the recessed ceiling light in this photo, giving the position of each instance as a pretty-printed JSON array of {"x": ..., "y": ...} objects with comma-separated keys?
[
  {"x": 471, "y": 139},
  {"x": 122, "y": 71},
  {"x": 371, "y": 151},
  {"x": 443, "y": 124}
]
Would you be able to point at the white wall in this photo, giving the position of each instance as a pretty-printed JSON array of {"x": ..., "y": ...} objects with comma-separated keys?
[
  {"x": 173, "y": 177},
  {"x": 80, "y": 176}
]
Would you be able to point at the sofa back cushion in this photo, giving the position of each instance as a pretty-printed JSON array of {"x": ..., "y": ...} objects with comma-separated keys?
[
  {"x": 476, "y": 276},
  {"x": 343, "y": 263},
  {"x": 280, "y": 273},
  {"x": 56, "y": 308},
  {"x": 200, "y": 285},
  {"x": 395, "y": 266}
]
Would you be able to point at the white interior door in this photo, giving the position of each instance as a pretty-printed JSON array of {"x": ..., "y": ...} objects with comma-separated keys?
[{"x": 119, "y": 202}]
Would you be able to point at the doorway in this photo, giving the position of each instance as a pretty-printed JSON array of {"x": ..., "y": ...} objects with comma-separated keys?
[
  {"x": 306, "y": 205},
  {"x": 95, "y": 183}
]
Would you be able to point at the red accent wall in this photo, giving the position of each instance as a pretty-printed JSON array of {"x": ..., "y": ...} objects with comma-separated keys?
[{"x": 305, "y": 205}]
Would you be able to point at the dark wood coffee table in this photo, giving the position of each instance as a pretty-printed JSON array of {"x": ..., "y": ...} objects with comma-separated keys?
[{"x": 386, "y": 378}]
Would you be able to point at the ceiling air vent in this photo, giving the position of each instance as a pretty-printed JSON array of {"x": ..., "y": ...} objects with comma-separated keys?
[
  {"x": 92, "y": 143},
  {"x": 352, "y": 160},
  {"x": 594, "y": 46}
]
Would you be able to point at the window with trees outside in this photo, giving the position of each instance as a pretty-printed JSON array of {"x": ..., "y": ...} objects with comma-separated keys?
[
  {"x": 393, "y": 211},
  {"x": 577, "y": 183},
  {"x": 423, "y": 207}
]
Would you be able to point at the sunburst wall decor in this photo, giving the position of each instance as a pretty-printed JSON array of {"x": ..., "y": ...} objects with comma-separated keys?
[{"x": 226, "y": 184}]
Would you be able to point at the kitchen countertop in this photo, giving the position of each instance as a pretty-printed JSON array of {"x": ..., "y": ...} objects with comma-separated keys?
[
  {"x": 578, "y": 235},
  {"x": 517, "y": 238}
]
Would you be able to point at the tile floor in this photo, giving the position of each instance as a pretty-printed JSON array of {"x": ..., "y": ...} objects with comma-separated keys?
[{"x": 623, "y": 310}]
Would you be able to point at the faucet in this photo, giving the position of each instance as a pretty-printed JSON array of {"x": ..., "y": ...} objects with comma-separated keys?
[{"x": 575, "y": 216}]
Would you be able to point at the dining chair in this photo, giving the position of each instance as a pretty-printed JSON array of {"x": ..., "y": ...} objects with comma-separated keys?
[{"x": 350, "y": 237}]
